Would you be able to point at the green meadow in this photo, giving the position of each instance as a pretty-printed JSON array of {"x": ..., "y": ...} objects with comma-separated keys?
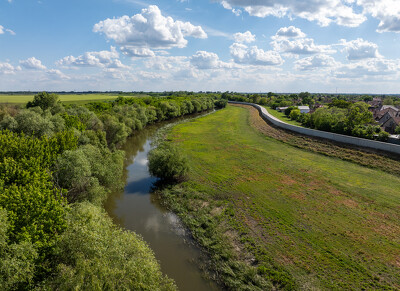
[
  {"x": 270, "y": 212},
  {"x": 281, "y": 116},
  {"x": 67, "y": 98}
]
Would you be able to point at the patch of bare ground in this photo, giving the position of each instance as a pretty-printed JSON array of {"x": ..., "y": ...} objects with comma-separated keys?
[{"x": 366, "y": 157}]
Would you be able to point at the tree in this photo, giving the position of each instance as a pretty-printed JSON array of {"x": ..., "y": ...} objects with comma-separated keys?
[
  {"x": 44, "y": 100},
  {"x": 94, "y": 254},
  {"x": 294, "y": 114},
  {"x": 167, "y": 163},
  {"x": 289, "y": 110}
]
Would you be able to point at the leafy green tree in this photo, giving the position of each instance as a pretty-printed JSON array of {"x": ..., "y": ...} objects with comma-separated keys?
[
  {"x": 358, "y": 114},
  {"x": 289, "y": 110},
  {"x": 295, "y": 114},
  {"x": 89, "y": 172},
  {"x": 167, "y": 163},
  {"x": 306, "y": 98},
  {"x": 340, "y": 103},
  {"x": 94, "y": 254},
  {"x": 116, "y": 132},
  {"x": 44, "y": 100},
  {"x": 17, "y": 260}
]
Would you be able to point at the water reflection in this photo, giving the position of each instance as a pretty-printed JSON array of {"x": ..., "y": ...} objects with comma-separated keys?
[{"x": 138, "y": 210}]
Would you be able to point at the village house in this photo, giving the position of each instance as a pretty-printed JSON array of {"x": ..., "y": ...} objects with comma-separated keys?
[{"x": 388, "y": 117}]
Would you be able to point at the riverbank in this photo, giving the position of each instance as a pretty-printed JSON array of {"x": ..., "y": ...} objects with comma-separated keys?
[
  {"x": 136, "y": 209},
  {"x": 273, "y": 215}
]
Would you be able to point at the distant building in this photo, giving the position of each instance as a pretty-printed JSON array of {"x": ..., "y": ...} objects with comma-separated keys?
[
  {"x": 384, "y": 107},
  {"x": 304, "y": 109},
  {"x": 281, "y": 109},
  {"x": 391, "y": 124}
]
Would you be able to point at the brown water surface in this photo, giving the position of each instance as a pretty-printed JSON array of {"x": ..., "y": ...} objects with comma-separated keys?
[{"x": 138, "y": 210}]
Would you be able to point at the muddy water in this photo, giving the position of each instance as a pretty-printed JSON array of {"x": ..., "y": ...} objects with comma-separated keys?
[{"x": 138, "y": 210}]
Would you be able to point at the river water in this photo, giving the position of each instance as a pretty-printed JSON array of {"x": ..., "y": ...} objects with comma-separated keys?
[{"x": 136, "y": 209}]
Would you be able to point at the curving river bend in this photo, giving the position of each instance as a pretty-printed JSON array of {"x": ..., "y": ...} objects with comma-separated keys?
[{"x": 138, "y": 210}]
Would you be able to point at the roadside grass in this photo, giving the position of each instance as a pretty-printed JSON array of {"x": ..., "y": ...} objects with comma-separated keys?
[
  {"x": 281, "y": 116},
  {"x": 272, "y": 215},
  {"x": 67, "y": 98}
]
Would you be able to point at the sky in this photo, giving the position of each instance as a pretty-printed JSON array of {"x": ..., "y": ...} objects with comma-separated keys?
[{"x": 343, "y": 46}]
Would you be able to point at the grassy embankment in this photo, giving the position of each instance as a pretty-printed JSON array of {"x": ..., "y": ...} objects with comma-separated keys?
[
  {"x": 67, "y": 98},
  {"x": 281, "y": 116},
  {"x": 272, "y": 214}
]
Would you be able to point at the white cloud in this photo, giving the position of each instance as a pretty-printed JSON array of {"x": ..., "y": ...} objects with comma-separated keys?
[
  {"x": 4, "y": 30},
  {"x": 289, "y": 32},
  {"x": 166, "y": 63},
  {"x": 315, "y": 62},
  {"x": 226, "y": 5},
  {"x": 254, "y": 56},
  {"x": 150, "y": 29},
  {"x": 247, "y": 37},
  {"x": 368, "y": 68},
  {"x": 207, "y": 60},
  {"x": 324, "y": 12},
  {"x": 303, "y": 46},
  {"x": 32, "y": 64},
  {"x": 137, "y": 52},
  {"x": 360, "y": 49},
  {"x": 101, "y": 59},
  {"x": 7, "y": 69},
  {"x": 387, "y": 11},
  {"x": 57, "y": 75}
]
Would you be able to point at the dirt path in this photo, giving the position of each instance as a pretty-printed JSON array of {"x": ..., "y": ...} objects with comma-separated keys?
[{"x": 386, "y": 162}]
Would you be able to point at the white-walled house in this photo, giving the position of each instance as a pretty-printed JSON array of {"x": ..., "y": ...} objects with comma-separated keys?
[{"x": 304, "y": 109}]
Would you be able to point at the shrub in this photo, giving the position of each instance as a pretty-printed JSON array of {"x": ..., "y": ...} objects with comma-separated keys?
[
  {"x": 289, "y": 109},
  {"x": 167, "y": 163},
  {"x": 294, "y": 114},
  {"x": 383, "y": 136},
  {"x": 221, "y": 103}
]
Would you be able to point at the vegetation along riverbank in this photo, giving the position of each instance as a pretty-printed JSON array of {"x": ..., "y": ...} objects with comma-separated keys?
[
  {"x": 58, "y": 164},
  {"x": 278, "y": 210}
]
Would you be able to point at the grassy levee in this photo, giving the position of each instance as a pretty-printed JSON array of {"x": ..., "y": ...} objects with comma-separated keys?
[
  {"x": 281, "y": 116},
  {"x": 273, "y": 215}
]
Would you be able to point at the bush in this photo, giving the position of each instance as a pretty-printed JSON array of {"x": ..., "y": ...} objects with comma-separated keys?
[
  {"x": 383, "y": 136},
  {"x": 221, "y": 103},
  {"x": 294, "y": 114},
  {"x": 289, "y": 109},
  {"x": 166, "y": 163}
]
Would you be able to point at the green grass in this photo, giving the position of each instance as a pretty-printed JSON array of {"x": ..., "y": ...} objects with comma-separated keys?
[
  {"x": 70, "y": 98},
  {"x": 266, "y": 210},
  {"x": 281, "y": 116}
]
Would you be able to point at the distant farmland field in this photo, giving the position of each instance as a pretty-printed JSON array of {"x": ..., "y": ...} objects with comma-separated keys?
[{"x": 68, "y": 98}]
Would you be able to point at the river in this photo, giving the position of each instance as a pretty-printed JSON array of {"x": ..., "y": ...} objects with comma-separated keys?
[{"x": 136, "y": 209}]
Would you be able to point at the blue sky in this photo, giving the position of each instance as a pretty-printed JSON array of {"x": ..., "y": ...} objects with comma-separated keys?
[{"x": 348, "y": 46}]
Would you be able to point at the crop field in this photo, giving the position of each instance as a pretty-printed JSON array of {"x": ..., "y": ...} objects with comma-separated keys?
[
  {"x": 305, "y": 218},
  {"x": 70, "y": 98}
]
